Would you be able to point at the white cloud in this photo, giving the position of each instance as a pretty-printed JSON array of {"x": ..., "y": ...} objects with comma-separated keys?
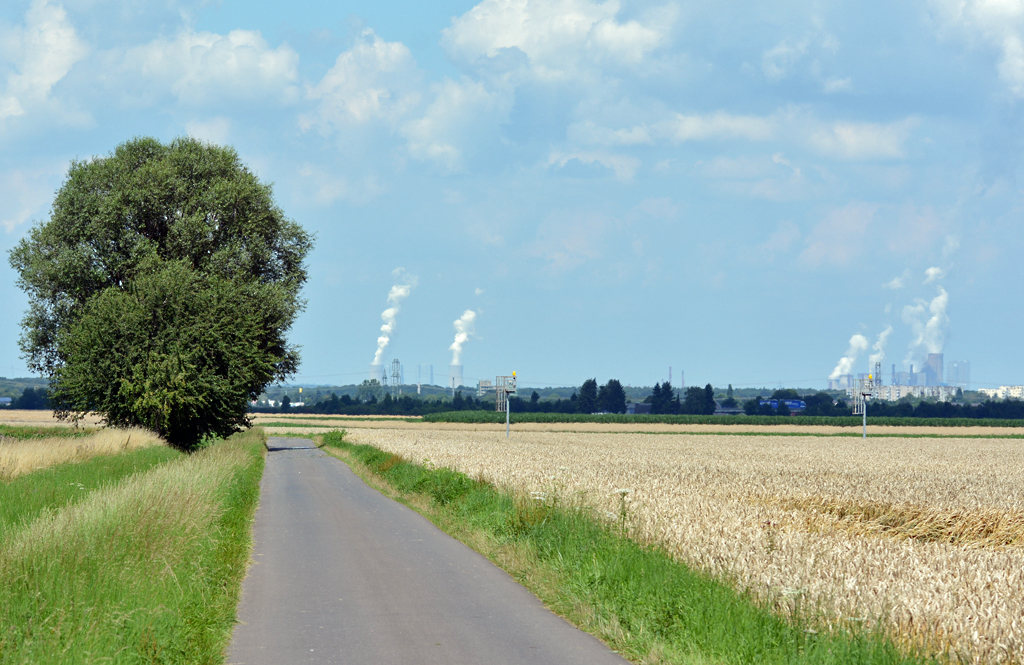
[
  {"x": 478, "y": 291},
  {"x": 203, "y": 67},
  {"x": 998, "y": 23},
  {"x": 625, "y": 167},
  {"x": 836, "y": 85},
  {"x": 928, "y": 320},
  {"x": 39, "y": 54},
  {"x": 216, "y": 130},
  {"x": 839, "y": 238},
  {"x": 27, "y": 192},
  {"x": 459, "y": 120},
  {"x": 932, "y": 274},
  {"x": 776, "y": 61},
  {"x": 863, "y": 140},
  {"x": 374, "y": 80},
  {"x": 557, "y": 37},
  {"x": 718, "y": 126},
  {"x": 897, "y": 282},
  {"x": 326, "y": 187}
]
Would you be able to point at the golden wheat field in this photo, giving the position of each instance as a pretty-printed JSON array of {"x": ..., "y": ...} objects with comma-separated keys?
[
  {"x": 925, "y": 535},
  {"x": 19, "y": 456}
]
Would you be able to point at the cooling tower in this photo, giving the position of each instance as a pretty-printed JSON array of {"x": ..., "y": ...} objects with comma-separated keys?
[
  {"x": 454, "y": 376},
  {"x": 376, "y": 372}
]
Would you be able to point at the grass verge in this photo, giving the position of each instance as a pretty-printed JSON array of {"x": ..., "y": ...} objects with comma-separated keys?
[
  {"x": 147, "y": 570},
  {"x": 26, "y": 497},
  {"x": 636, "y": 598}
]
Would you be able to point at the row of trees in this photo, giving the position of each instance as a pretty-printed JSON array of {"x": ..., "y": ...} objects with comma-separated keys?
[
  {"x": 32, "y": 398},
  {"x": 404, "y": 405}
]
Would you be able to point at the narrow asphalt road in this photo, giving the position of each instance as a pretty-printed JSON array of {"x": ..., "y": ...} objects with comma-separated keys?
[{"x": 342, "y": 574}]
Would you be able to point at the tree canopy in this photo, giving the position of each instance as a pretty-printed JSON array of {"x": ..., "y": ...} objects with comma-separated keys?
[{"x": 161, "y": 289}]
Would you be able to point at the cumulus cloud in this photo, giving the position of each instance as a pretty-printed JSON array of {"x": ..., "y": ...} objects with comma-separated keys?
[
  {"x": 374, "y": 80},
  {"x": 38, "y": 55},
  {"x": 459, "y": 119},
  {"x": 863, "y": 140},
  {"x": 718, "y": 125},
  {"x": 624, "y": 166},
  {"x": 558, "y": 38},
  {"x": 932, "y": 274},
  {"x": 199, "y": 68},
  {"x": 997, "y": 23},
  {"x": 897, "y": 282},
  {"x": 27, "y": 192}
]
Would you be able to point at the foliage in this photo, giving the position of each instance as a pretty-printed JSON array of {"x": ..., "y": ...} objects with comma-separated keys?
[
  {"x": 186, "y": 215},
  {"x": 586, "y": 399},
  {"x": 612, "y": 397},
  {"x": 178, "y": 352}
]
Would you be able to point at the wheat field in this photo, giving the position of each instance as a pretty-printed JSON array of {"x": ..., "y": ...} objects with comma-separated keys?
[
  {"x": 925, "y": 536},
  {"x": 19, "y": 456}
]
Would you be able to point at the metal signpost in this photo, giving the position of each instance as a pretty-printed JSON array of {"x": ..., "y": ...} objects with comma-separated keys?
[
  {"x": 504, "y": 386},
  {"x": 865, "y": 390}
]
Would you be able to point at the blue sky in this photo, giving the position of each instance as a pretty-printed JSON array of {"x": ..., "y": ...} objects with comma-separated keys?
[{"x": 612, "y": 188}]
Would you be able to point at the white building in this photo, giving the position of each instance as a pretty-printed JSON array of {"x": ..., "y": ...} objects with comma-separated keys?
[{"x": 1003, "y": 392}]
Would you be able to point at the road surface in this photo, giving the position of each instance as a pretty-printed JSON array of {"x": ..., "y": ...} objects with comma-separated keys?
[{"x": 342, "y": 574}]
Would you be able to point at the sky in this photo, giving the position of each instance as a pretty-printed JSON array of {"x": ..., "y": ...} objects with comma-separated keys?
[{"x": 574, "y": 189}]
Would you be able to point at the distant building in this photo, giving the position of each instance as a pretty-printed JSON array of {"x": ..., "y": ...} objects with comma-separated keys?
[
  {"x": 637, "y": 408},
  {"x": 842, "y": 382},
  {"x": 1003, "y": 392},
  {"x": 959, "y": 374},
  {"x": 5, "y": 401},
  {"x": 933, "y": 370}
]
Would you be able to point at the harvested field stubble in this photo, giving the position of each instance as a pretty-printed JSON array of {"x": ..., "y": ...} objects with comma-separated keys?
[{"x": 926, "y": 535}]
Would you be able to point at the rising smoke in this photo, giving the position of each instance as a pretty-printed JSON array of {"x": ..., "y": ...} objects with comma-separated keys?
[
  {"x": 879, "y": 346},
  {"x": 399, "y": 292},
  {"x": 928, "y": 321},
  {"x": 858, "y": 345},
  {"x": 463, "y": 329}
]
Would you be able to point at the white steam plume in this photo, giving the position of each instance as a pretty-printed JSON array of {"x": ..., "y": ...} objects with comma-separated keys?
[
  {"x": 930, "y": 334},
  {"x": 858, "y": 344},
  {"x": 396, "y": 295},
  {"x": 879, "y": 347},
  {"x": 463, "y": 329}
]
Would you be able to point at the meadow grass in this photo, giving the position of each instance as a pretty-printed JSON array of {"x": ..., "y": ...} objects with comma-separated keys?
[
  {"x": 635, "y": 597},
  {"x": 835, "y": 421},
  {"x": 25, "y": 455},
  {"x": 144, "y": 570},
  {"x": 39, "y": 431},
  {"x": 24, "y": 498}
]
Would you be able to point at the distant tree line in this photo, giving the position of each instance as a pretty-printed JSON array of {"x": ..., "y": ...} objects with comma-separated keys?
[
  {"x": 32, "y": 398},
  {"x": 590, "y": 397}
]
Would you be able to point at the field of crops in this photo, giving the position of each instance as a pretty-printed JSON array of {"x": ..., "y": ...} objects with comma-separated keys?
[
  {"x": 834, "y": 421},
  {"x": 923, "y": 535}
]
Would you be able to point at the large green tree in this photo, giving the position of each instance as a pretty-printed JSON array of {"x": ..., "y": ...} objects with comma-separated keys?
[{"x": 162, "y": 288}]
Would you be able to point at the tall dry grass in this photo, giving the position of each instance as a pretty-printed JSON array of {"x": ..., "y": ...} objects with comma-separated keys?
[
  {"x": 922, "y": 534},
  {"x": 20, "y": 456}
]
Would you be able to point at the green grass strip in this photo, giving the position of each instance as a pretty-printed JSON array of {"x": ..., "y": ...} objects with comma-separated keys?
[
  {"x": 636, "y": 598},
  {"x": 477, "y": 417},
  {"x": 147, "y": 570},
  {"x": 25, "y": 497},
  {"x": 43, "y": 431}
]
